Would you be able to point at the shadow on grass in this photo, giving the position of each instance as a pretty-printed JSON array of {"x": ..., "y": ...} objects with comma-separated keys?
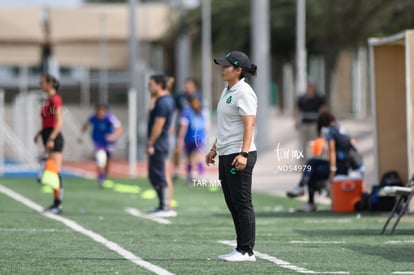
[
  {"x": 318, "y": 214},
  {"x": 326, "y": 213},
  {"x": 353, "y": 232},
  {"x": 392, "y": 253}
]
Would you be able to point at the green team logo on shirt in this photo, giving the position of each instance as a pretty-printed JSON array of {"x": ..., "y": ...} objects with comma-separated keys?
[
  {"x": 228, "y": 100},
  {"x": 233, "y": 171}
]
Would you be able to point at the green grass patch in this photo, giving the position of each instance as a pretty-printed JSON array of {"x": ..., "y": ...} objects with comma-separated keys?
[{"x": 33, "y": 244}]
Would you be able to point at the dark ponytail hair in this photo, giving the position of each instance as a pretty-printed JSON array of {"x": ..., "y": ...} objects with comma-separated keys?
[
  {"x": 160, "y": 79},
  {"x": 51, "y": 79},
  {"x": 251, "y": 71}
]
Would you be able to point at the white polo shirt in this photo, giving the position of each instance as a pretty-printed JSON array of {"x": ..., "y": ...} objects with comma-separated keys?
[{"x": 239, "y": 101}]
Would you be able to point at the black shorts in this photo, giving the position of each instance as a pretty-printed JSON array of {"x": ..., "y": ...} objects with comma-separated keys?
[{"x": 59, "y": 141}]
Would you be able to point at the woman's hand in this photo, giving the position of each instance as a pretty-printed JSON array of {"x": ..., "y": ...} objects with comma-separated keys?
[
  {"x": 111, "y": 137},
  {"x": 239, "y": 162},
  {"x": 50, "y": 144},
  {"x": 36, "y": 138},
  {"x": 149, "y": 150},
  {"x": 210, "y": 157}
]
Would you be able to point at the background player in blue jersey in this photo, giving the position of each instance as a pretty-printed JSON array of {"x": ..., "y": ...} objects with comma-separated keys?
[
  {"x": 106, "y": 129},
  {"x": 182, "y": 102},
  {"x": 192, "y": 136}
]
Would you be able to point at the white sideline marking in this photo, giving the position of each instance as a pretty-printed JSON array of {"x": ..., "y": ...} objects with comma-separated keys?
[
  {"x": 283, "y": 263},
  {"x": 317, "y": 242},
  {"x": 33, "y": 230},
  {"x": 136, "y": 213},
  {"x": 401, "y": 241},
  {"x": 403, "y": 272},
  {"x": 78, "y": 228}
]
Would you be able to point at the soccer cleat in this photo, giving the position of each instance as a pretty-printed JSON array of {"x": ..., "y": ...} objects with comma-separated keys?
[
  {"x": 307, "y": 207},
  {"x": 161, "y": 213},
  {"x": 54, "y": 209},
  {"x": 236, "y": 256},
  {"x": 296, "y": 192}
]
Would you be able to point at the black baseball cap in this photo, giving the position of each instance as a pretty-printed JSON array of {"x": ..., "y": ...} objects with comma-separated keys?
[{"x": 236, "y": 59}]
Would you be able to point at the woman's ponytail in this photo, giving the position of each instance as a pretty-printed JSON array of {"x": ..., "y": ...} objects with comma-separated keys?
[
  {"x": 253, "y": 69},
  {"x": 56, "y": 84}
]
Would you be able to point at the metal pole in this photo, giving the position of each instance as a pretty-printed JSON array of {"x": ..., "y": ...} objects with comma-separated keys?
[
  {"x": 30, "y": 123},
  {"x": 206, "y": 55},
  {"x": 261, "y": 56},
  {"x": 288, "y": 89},
  {"x": 132, "y": 133},
  {"x": 2, "y": 142},
  {"x": 103, "y": 71},
  {"x": 301, "y": 46},
  {"x": 132, "y": 94},
  {"x": 183, "y": 51},
  {"x": 85, "y": 88},
  {"x": 24, "y": 88},
  {"x": 182, "y": 61}
]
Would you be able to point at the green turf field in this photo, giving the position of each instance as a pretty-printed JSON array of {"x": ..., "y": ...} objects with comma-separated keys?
[{"x": 31, "y": 243}]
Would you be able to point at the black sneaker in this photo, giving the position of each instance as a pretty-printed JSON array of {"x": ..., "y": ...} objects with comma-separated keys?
[
  {"x": 55, "y": 209},
  {"x": 296, "y": 192}
]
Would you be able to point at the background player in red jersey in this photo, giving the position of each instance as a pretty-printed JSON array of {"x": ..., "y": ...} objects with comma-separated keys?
[{"x": 52, "y": 122}]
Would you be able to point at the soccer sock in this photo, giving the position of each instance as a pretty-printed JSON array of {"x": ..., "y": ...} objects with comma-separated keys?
[
  {"x": 58, "y": 193},
  {"x": 61, "y": 187},
  {"x": 200, "y": 167},
  {"x": 189, "y": 168},
  {"x": 101, "y": 176}
]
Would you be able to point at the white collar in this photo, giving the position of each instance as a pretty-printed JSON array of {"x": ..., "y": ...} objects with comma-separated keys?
[{"x": 232, "y": 89}]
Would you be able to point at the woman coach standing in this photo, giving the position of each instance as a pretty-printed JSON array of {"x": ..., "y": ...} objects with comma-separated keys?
[
  {"x": 52, "y": 122},
  {"x": 236, "y": 113}
]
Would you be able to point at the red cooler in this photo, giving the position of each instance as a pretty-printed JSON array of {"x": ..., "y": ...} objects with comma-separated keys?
[{"x": 346, "y": 192}]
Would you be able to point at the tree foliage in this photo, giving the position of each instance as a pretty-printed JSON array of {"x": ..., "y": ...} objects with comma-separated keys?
[{"x": 331, "y": 24}]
